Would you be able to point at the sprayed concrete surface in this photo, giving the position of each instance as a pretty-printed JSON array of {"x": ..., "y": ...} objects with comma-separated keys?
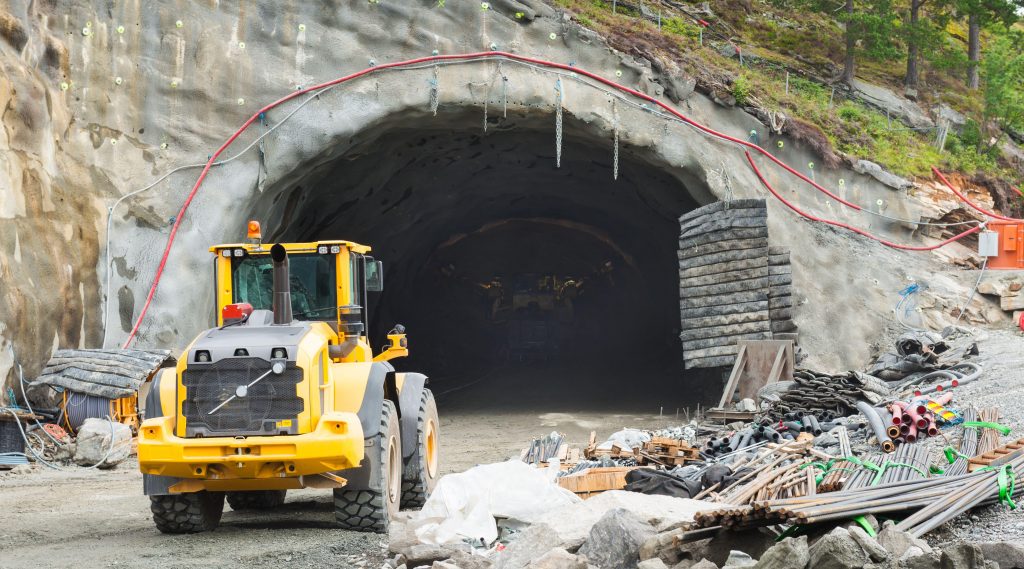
[{"x": 87, "y": 518}]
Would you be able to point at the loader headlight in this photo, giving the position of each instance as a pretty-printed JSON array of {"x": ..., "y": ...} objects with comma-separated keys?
[
  {"x": 278, "y": 367},
  {"x": 335, "y": 249},
  {"x": 239, "y": 252},
  {"x": 225, "y": 252},
  {"x": 203, "y": 356},
  {"x": 279, "y": 354},
  {"x": 322, "y": 249}
]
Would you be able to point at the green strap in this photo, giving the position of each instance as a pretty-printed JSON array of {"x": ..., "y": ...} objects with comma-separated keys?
[
  {"x": 887, "y": 465},
  {"x": 864, "y": 523},
  {"x": 952, "y": 454},
  {"x": 1006, "y": 481},
  {"x": 935, "y": 469},
  {"x": 789, "y": 532},
  {"x": 988, "y": 425}
]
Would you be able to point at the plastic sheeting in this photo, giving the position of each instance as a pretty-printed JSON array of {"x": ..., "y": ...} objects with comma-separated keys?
[{"x": 464, "y": 506}]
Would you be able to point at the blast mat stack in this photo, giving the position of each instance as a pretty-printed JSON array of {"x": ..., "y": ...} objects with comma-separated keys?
[{"x": 732, "y": 285}]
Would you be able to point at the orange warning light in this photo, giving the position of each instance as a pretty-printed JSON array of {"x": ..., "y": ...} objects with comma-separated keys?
[{"x": 254, "y": 231}]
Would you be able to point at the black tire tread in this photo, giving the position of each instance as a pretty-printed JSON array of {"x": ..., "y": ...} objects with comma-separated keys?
[
  {"x": 415, "y": 485},
  {"x": 366, "y": 510},
  {"x": 187, "y": 513}
]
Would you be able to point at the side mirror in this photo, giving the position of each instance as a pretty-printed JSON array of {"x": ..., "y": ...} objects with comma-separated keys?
[{"x": 374, "y": 274}]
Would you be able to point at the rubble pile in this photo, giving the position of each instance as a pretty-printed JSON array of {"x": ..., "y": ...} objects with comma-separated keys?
[{"x": 804, "y": 483}]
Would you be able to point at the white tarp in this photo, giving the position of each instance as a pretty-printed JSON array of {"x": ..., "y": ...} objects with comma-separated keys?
[{"x": 464, "y": 505}]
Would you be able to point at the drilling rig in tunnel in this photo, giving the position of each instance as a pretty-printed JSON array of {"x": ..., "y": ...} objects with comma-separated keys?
[{"x": 286, "y": 393}]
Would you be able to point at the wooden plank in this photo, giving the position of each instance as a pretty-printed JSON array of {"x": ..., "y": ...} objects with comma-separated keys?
[
  {"x": 726, "y": 330},
  {"x": 596, "y": 480},
  {"x": 723, "y": 257},
  {"x": 746, "y": 203},
  {"x": 735, "y": 298},
  {"x": 762, "y": 284},
  {"x": 726, "y": 277},
  {"x": 734, "y": 377},
  {"x": 725, "y": 319}
]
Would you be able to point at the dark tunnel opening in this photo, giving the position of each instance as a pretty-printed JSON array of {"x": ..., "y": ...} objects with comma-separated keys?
[{"x": 520, "y": 282}]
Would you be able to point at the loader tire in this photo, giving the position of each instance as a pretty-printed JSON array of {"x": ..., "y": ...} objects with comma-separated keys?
[
  {"x": 187, "y": 513},
  {"x": 256, "y": 499},
  {"x": 421, "y": 470},
  {"x": 371, "y": 510}
]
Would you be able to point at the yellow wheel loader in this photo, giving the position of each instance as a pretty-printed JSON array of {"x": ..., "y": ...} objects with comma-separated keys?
[{"x": 286, "y": 393}]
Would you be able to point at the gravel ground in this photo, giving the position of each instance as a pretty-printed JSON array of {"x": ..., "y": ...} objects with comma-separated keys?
[
  {"x": 101, "y": 519},
  {"x": 91, "y": 518}
]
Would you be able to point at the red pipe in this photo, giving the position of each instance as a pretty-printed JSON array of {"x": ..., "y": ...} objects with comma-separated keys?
[
  {"x": 969, "y": 202},
  {"x": 467, "y": 57},
  {"x": 850, "y": 227},
  {"x": 911, "y": 434}
]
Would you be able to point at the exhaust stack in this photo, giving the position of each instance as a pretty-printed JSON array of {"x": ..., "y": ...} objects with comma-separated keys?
[{"x": 282, "y": 286}]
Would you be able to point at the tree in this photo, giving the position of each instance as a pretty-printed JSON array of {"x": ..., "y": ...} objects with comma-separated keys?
[
  {"x": 922, "y": 35},
  {"x": 981, "y": 13},
  {"x": 1003, "y": 71}
]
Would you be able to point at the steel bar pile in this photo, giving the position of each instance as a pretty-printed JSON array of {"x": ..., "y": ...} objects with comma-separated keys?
[
  {"x": 968, "y": 445},
  {"x": 835, "y": 477},
  {"x": 777, "y": 472},
  {"x": 928, "y": 502},
  {"x": 988, "y": 439}
]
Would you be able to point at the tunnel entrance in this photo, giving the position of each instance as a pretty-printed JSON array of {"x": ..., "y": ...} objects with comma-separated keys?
[{"x": 520, "y": 282}]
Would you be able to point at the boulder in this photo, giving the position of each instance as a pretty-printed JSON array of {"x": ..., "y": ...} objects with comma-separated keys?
[
  {"x": 926, "y": 561},
  {"x": 897, "y": 542},
  {"x": 900, "y": 108},
  {"x": 790, "y": 553},
  {"x": 703, "y": 564},
  {"x": 874, "y": 550},
  {"x": 662, "y": 546},
  {"x": 962, "y": 556},
  {"x": 652, "y": 564},
  {"x": 102, "y": 440},
  {"x": 837, "y": 550},
  {"x": 1007, "y": 554},
  {"x": 530, "y": 544},
  {"x": 739, "y": 559},
  {"x": 614, "y": 541},
  {"x": 882, "y": 175},
  {"x": 558, "y": 558},
  {"x": 468, "y": 560},
  {"x": 572, "y": 523}
]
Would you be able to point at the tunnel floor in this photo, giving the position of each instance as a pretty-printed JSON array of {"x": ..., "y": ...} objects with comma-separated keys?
[{"x": 522, "y": 283}]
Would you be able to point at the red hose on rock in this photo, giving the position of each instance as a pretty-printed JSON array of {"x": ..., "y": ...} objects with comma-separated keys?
[
  {"x": 457, "y": 57},
  {"x": 957, "y": 237},
  {"x": 969, "y": 202}
]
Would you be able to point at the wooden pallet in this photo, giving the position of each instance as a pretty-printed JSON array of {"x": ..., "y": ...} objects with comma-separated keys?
[
  {"x": 593, "y": 481},
  {"x": 668, "y": 452},
  {"x": 988, "y": 458}
]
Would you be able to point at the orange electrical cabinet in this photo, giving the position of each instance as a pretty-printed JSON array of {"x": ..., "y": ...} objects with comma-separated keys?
[{"x": 1011, "y": 245}]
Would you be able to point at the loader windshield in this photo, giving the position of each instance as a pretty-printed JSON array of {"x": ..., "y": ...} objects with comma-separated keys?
[{"x": 313, "y": 287}]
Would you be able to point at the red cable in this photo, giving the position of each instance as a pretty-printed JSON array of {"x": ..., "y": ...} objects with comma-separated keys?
[
  {"x": 750, "y": 159},
  {"x": 1018, "y": 190},
  {"x": 969, "y": 202},
  {"x": 454, "y": 57}
]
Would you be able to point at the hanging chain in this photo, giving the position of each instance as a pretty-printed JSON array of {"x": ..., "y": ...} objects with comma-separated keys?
[
  {"x": 615, "y": 152},
  {"x": 558, "y": 125},
  {"x": 504, "y": 92},
  {"x": 435, "y": 98}
]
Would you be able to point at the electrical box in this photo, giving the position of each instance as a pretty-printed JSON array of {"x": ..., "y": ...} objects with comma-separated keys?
[{"x": 988, "y": 244}]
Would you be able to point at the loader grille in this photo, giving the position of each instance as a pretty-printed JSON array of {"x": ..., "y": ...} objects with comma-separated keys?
[{"x": 271, "y": 406}]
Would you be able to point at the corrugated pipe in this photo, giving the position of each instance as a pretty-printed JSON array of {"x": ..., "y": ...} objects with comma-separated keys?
[{"x": 876, "y": 425}]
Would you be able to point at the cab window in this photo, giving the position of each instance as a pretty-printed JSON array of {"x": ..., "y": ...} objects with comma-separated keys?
[{"x": 314, "y": 295}]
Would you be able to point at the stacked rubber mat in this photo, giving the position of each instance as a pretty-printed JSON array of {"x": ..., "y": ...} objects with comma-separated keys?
[{"x": 732, "y": 285}]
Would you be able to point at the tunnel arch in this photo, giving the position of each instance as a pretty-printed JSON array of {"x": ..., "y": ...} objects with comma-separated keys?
[{"x": 451, "y": 209}]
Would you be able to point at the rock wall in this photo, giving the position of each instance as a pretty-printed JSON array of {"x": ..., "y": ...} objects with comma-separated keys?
[{"x": 102, "y": 99}]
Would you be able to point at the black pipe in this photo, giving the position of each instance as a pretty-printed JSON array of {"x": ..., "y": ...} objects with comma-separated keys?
[
  {"x": 815, "y": 428},
  {"x": 282, "y": 285}
]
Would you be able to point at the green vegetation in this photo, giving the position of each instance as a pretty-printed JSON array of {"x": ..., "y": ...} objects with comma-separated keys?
[{"x": 923, "y": 44}]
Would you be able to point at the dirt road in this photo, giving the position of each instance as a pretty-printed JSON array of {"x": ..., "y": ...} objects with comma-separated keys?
[{"x": 89, "y": 518}]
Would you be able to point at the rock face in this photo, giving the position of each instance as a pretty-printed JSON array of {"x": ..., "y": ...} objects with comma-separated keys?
[
  {"x": 787, "y": 554},
  {"x": 105, "y": 99},
  {"x": 837, "y": 550},
  {"x": 614, "y": 541},
  {"x": 102, "y": 442}
]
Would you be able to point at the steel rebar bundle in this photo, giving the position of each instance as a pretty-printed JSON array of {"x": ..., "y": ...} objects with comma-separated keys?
[
  {"x": 968, "y": 445},
  {"x": 927, "y": 502},
  {"x": 988, "y": 439},
  {"x": 835, "y": 477}
]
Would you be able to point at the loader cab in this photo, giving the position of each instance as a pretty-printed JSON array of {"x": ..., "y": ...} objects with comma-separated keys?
[{"x": 327, "y": 278}]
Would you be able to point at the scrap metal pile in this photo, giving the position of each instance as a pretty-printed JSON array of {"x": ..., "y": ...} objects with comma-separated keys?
[{"x": 823, "y": 448}]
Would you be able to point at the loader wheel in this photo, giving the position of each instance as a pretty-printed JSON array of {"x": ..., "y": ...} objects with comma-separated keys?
[
  {"x": 371, "y": 510},
  {"x": 187, "y": 513},
  {"x": 256, "y": 499},
  {"x": 421, "y": 470}
]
